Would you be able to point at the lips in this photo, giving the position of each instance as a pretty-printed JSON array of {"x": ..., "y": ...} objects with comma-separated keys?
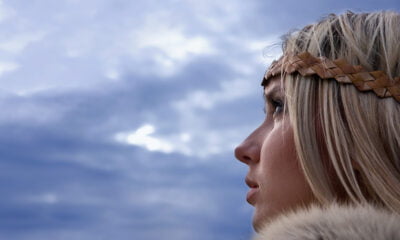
[{"x": 252, "y": 194}]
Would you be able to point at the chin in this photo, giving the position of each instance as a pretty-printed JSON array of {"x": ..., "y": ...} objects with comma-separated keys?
[
  {"x": 259, "y": 220},
  {"x": 261, "y": 217},
  {"x": 256, "y": 226}
]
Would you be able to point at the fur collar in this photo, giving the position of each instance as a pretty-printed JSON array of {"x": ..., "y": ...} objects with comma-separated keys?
[{"x": 339, "y": 222}]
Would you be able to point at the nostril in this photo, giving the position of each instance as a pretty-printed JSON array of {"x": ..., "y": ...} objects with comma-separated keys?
[{"x": 245, "y": 159}]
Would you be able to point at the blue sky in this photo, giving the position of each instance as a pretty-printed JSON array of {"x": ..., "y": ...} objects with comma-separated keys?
[{"x": 119, "y": 118}]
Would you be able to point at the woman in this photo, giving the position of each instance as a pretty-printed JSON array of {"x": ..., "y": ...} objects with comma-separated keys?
[{"x": 325, "y": 163}]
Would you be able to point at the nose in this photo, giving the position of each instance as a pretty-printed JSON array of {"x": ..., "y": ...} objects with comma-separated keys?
[{"x": 248, "y": 151}]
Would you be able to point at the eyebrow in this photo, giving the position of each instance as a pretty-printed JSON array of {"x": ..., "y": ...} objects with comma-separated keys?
[{"x": 270, "y": 92}]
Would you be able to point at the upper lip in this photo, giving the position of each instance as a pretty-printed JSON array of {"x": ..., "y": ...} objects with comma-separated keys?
[{"x": 251, "y": 183}]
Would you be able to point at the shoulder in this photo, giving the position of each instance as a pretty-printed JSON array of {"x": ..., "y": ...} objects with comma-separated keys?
[{"x": 333, "y": 222}]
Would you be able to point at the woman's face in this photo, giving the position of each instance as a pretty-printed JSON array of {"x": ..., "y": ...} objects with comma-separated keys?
[{"x": 275, "y": 178}]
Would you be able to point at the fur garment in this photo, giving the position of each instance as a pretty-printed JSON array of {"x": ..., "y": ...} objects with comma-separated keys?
[{"x": 339, "y": 222}]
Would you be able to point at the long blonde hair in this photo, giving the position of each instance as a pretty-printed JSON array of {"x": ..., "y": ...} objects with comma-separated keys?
[{"x": 357, "y": 131}]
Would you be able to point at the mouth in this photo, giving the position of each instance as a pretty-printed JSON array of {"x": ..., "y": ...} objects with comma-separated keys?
[{"x": 252, "y": 194}]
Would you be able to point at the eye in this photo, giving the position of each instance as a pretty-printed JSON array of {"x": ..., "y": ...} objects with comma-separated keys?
[{"x": 277, "y": 107}]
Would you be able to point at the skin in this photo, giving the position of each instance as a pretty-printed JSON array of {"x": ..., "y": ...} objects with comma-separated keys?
[{"x": 275, "y": 178}]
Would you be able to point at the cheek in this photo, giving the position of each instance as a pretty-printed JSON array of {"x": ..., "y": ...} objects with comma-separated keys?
[
  {"x": 282, "y": 182},
  {"x": 278, "y": 154}
]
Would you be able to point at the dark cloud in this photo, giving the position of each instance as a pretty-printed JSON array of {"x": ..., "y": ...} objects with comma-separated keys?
[
  {"x": 278, "y": 17},
  {"x": 50, "y": 187}
]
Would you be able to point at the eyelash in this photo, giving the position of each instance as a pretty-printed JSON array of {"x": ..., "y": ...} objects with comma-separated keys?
[{"x": 276, "y": 104}]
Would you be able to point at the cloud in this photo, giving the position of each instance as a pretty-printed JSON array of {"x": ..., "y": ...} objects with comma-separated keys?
[
  {"x": 154, "y": 41},
  {"x": 47, "y": 198},
  {"x": 212, "y": 142},
  {"x": 197, "y": 113},
  {"x": 229, "y": 90},
  {"x": 141, "y": 137},
  {"x": 5, "y": 12},
  {"x": 171, "y": 42},
  {"x": 25, "y": 108},
  {"x": 168, "y": 47},
  {"x": 182, "y": 198},
  {"x": 8, "y": 67},
  {"x": 17, "y": 43}
]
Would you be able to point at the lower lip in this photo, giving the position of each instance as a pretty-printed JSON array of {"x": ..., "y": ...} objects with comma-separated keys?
[{"x": 251, "y": 196}]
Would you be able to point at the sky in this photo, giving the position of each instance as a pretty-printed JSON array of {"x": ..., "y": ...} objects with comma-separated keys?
[{"x": 119, "y": 118}]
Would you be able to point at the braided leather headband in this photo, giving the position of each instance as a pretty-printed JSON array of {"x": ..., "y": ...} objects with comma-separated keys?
[{"x": 307, "y": 65}]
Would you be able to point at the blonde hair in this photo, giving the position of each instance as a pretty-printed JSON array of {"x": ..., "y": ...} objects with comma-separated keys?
[{"x": 357, "y": 131}]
